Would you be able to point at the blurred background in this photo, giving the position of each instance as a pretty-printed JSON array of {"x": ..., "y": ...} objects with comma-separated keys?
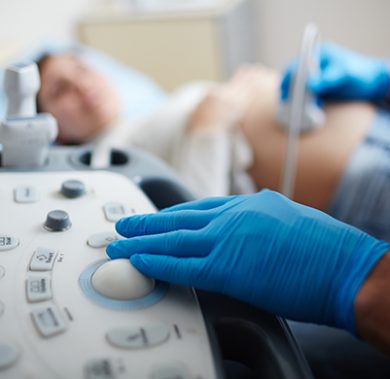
[{"x": 174, "y": 41}]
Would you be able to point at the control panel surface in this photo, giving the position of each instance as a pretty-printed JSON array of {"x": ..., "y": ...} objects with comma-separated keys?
[{"x": 55, "y": 322}]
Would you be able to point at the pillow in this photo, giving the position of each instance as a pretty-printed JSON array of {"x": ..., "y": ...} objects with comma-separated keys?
[{"x": 140, "y": 95}]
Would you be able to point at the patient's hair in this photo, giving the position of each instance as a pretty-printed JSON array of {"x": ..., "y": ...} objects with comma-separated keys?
[{"x": 40, "y": 63}]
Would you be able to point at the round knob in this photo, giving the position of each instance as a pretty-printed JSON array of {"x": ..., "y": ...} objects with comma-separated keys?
[
  {"x": 57, "y": 221},
  {"x": 72, "y": 188},
  {"x": 119, "y": 279}
]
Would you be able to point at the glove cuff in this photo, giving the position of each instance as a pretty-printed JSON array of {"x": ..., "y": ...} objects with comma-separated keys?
[
  {"x": 387, "y": 97},
  {"x": 366, "y": 259}
]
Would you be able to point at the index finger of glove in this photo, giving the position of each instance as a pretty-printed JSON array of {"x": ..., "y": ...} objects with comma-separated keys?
[
  {"x": 156, "y": 223},
  {"x": 182, "y": 243}
]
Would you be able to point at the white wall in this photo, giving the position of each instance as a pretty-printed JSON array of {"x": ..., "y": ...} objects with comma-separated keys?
[
  {"x": 27, "y": 22},
  {"x": 363, "y": 25}
]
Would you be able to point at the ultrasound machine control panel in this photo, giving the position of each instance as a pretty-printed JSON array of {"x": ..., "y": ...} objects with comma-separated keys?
[{"x": 63, "y": 310}]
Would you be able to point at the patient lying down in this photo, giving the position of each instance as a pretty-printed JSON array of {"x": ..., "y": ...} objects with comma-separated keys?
[{"x": 223, "y": 138}]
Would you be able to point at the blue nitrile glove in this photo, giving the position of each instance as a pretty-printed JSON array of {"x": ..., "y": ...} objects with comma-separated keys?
[
  {"x": 344, "y": 75},
  {"x": 265, "y": 249}
]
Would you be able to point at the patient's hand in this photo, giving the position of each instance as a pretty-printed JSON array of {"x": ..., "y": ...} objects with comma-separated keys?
[{"x": 226, "y": 105}]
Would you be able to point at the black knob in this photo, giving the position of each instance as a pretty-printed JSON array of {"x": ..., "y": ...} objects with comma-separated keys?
[
  {"x": 57, "y": 221},
  {"x": 72, "y": 188}
]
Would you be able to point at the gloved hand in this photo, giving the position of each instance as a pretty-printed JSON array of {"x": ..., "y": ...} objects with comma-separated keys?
[
  {"x": 344, "y": 75},
  {"x": 281, "y": 256}
]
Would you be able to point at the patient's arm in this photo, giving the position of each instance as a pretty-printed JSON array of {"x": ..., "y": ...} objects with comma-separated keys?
[
  {"x": 322, "y": 154},
  {"x": 225, "y": 105}
]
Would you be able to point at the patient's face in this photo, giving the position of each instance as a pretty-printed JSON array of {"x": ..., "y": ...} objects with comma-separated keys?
[{"x": 82, "y": 100}]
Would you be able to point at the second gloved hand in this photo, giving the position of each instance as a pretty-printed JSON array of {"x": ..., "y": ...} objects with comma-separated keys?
[
  {"x": 264, "y": 249},
  {"x": 345, "y": 75}
]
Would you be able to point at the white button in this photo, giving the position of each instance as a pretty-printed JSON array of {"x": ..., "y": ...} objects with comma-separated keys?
[
  {"x": 38, "y": 288},
  {"x": 99, "y": 240},
  {"x": 114, "y": 211},
  {"x": 9, "y": 354},
  {"x": 25, "y": 194},
  {"x": 136, "y": 337},
  {"x": 42, "y": 259},
  {"x": 156, "y": 334},
  {"x": 8, "y": 242},
  {"x": 2, "y": 272},
  {"x": 172, "y": 371},
  {"x": 48, "y": 321},
  {"x": 100, "y": 369}
]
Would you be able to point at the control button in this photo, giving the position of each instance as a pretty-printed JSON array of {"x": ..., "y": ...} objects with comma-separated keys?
[
  {"x": 138, "y": 337},
  {"x": 9, "y": 354},
  {"x": 38, "y": 288},
  {"x": 119, "y": 279},
  {"x": 25, "y": 194},
  {"x": 42, "y": 259},
  {"x": 8, "y": 242},
  {"x": 100, "y": 369},
  {"x": 2, "y": 308},
  {"x": 72, "y": 189},
  {"x": 2, "y": 272},
  {"x": 57, "y": 221},
  {"x": 99, "y": 240},
  {"x": 173, "y": 371},
  {"x": 114, "y": 211},
  {"x": 85, "y": 282},
  {"x": 48, "y": 321}
]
